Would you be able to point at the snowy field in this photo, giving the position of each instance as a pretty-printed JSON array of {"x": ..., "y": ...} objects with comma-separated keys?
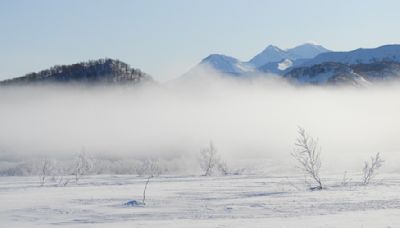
[{"x": 231, "y": 201}]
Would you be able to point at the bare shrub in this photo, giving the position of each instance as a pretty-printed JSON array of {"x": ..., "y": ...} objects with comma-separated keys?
[
  {"x": 46, "y": 170},
  {"x": 370, "y": 168},
  {"x": 82, "y": 165},
  {"x": 149, "y": 167},
  {"x": 307, "y": 154},
  {"x": 62, "y": 181},
  {"x": 345, "y": 179},
  {"x": 223, "y": 168},
  {"x": 211, "y": 163},
  {"x": 61, "y": 178}
]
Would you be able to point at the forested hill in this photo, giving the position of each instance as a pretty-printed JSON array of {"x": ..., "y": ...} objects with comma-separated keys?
[{"x": 102, "y": 71}]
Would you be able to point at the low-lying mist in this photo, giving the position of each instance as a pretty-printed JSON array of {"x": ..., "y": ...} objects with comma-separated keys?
[{"x": 253, "y": 123}]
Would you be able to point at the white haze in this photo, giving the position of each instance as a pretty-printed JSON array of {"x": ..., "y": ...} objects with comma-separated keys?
[{"x": 253, "y": 123}]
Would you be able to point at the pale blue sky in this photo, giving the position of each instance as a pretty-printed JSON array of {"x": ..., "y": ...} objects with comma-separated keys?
[{"x": 165, "y": 38}]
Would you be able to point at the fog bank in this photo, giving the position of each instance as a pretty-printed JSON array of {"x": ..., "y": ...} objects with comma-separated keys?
[{"x": 252, "y": 123}]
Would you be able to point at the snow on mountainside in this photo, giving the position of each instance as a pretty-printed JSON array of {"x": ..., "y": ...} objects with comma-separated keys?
[
  {"x": 339, "y": 73},
  {"x": 285, "y": 64},
  {"x": 314, "y": 64},
  {"x": 271, "y": 60},
  {"x": 307, "y": 51},
  {"x": 371, "y": 55},
  {"x": 274, "y": 54},
  {"x": 360, "y": 66},
  {"x": 326, "y": 73},
  {"x": 277, "y": 67},
  {"x": 269, "y": 55},
  {"x": 216, "y": 63},
  {"x": 226, "y": 64}
]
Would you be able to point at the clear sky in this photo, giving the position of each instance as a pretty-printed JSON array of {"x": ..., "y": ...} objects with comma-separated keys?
[{"x": 165, "y": 38}]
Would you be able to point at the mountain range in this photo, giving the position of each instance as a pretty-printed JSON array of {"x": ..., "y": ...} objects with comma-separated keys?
[
  {"x": 271, "y": 60},
  {"x": 301, "y": 65},
  {"x": 313, "y": 64}
]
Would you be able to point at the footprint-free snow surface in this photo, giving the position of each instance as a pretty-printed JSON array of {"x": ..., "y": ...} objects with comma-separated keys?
[{"x": 231, "y": 201}]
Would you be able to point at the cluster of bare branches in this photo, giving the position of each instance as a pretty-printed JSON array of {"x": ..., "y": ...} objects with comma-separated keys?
[
  {"x": 308, "y": 155},
  {"x": 370, "y": 168},
  {"x": 50, "y": 170},
  {"x": 46, "y": 170},
  {"x": 211, "y": 163},
  {"x": 149, "y": 167},
  {"x": 82, "y": 165}
]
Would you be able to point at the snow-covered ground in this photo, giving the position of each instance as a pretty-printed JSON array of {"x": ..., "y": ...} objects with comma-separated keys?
[{"x": 190, "y": 201}]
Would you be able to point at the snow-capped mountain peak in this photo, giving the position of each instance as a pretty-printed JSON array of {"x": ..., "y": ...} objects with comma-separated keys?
[
  {"x": 225, "y": 64},
  {"x": 307, "y": 51},
  {"x": 275, "y": 54},
  {"x": 269, "y": 54},
  {"x": 313, "y": 64}
]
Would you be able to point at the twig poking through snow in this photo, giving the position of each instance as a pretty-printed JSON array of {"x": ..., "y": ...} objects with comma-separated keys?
[{"x": 145, "y": 188}]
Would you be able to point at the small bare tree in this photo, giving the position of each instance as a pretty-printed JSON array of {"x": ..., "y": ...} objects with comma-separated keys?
[
  {"x": 82, "y": 165},
  {"x": 370, "y": 168},
  {"x": 47, "y": 168},
  {"x": 145, "y": 188},
  {"x": 307, "y": 154},
  {"x": 211, "y": 163},
  {"x": 150, "y": 168},
  {"x": 208, "y": 159}
]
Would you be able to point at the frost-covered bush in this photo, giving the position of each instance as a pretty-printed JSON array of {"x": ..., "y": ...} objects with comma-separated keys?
[
  {"x": 308, "y": 156},
  {"x": 370, "y": 168},
  {"x": 211, "y": 163},
  {"x": 149, "y": 167},
  {"x": 82, "y": 165},
  {"x": 47, "y": 169}
]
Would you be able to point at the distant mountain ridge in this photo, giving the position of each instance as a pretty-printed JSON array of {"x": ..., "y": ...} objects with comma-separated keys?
[
  {"x": 314, "y": 64},
  {"x": 273, "y": 54},
  {"x": 360, "y": 56},
  {"x": 359, "y": 66},
  {"x": 340, "y": 73},
  {"x": 102, "y": 71},
  {"x": 271, "y": 60}
]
